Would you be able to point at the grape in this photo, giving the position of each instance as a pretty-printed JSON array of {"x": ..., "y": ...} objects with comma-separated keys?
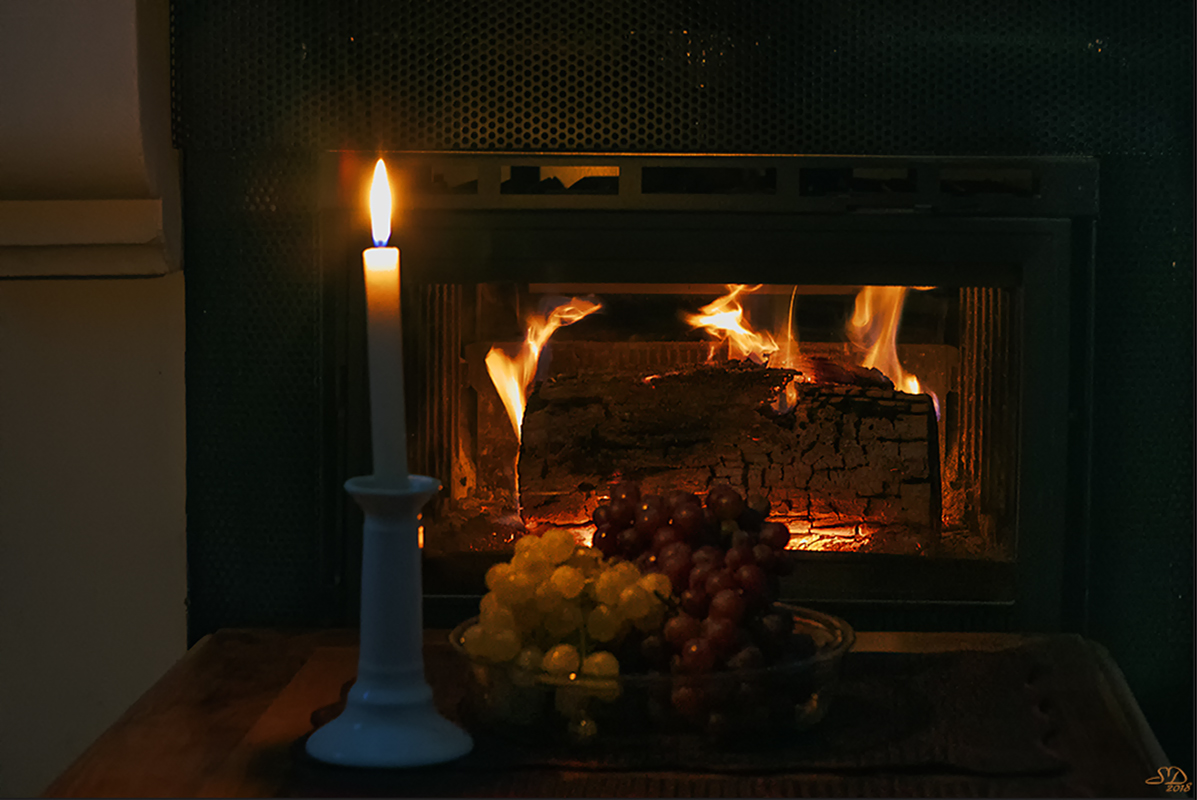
[
  {"x": 649, "y": 517},
  {"x": 547, "y": 597},
  {"x": 658, "y": 584},
  {"x": 665, "y": 536},
  {"x": 568, "y": 581},
  {"x": 697, "y": 656},
  {"x": 505, "y": 645},
  {"x": 587, "y": 560},
  {"x": 533, "y": 562},
  {"x": 753, "y": 583},
  {"x": 626, "y": 490},
  {"x": 558, "y": 545},
  {"x": 764, "y": 555},
  {"x": 719, "y": 581},
  {"x": 688, "y": 519},
  {"x": 725, "y": 502},
  {"x": 645, "y": 561},
  {"x": 700, "y": 572},
  {"x": 474, "y": 641},
  {"x": 601, "y": 665},
  {"x": 605, "y": 541},
  {"x": 527, "y": 616},
  {"x": 681, "y": 629},
  {"x": 679, "y": 550},
  {"x": 728, "y": 604},
  {"x": 515, "y": 587},
  {"x": 737, "y": 557},
  {"x": 601, "y": 516},
  {"x": 623, "y": 513},
  {"x": 526, "y": 543},
  {"x": 708, "y": 554},
  {"x": 631, "y": 542},
  {"x": 651, "y": 501},
  {"x": 695, "y": 602},
  {"x": 497, "y": 617},
  {"x": 721, "y": 632},
  {"x": 561, "y": 660},
  {"x": 775, "y": 535},
  {"x": 489, "y": 600},
  {"x": 678, "y": 572},
  {"x": 653, "y": 620},
  {"x": 563, "y": 619},
  {"x": 497, "y": 573},
  {"x": 612, "y": 581},
  {"x": 635, "y": 602},
  {"x": 603, "y": 623},
  {"x": 529, "y": 658}
]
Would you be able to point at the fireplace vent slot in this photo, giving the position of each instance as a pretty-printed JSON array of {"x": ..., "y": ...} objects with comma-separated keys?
[{"x": 708, "y": 180}]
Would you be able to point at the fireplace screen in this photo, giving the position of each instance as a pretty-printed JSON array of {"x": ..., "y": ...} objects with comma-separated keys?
[{"x": 889, "y": 383}]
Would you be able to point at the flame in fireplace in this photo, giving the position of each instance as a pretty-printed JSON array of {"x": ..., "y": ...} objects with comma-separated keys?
[
  {"x": 512, "y": 376},
  {"x": 724, "y": 318},
  {"x": 787, "y": 358},
  {"x": 873, "y": 328}
]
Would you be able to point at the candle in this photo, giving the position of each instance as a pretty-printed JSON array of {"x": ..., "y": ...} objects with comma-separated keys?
[{"x": 384, "y": 341}]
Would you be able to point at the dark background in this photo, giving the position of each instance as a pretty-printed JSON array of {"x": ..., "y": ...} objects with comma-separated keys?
[{"x": 262, "y": 87}]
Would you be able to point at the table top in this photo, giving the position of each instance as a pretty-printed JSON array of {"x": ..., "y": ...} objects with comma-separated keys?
[{"x": 226, "y": 719}]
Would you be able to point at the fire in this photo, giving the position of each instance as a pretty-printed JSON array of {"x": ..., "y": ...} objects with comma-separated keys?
[
  {"x": 512, "y": 376},
  {"x": 380, "y": 205},
  {"x": 725, "y": 319},
  {"x": 874, "y": 328},
  {"x": 787, "y": 358}
]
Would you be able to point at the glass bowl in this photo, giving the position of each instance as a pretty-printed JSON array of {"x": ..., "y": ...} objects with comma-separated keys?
[{"x": 790, "y": 695}]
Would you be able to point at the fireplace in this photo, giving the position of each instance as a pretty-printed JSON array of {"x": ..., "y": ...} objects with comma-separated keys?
[{"x": 933, "y": 474}]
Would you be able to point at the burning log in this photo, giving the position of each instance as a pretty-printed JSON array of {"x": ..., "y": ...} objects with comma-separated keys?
[{"x": 830, "y": 455}]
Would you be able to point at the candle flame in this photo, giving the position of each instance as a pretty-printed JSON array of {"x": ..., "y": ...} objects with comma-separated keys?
[{"x": 380, "y": 205}]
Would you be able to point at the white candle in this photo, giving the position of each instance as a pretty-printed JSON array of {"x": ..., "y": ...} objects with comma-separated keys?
[{"x": 384, "y": 341}]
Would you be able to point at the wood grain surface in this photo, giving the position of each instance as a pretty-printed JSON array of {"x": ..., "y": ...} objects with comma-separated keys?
[{"x": 227, "y": 721}]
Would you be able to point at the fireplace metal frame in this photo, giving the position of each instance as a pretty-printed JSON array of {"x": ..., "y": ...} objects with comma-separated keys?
[{"x": 1037, "y": 244}]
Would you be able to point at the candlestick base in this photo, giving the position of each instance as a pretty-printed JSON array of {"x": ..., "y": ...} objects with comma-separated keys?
[{"x": 389, "y": 718}]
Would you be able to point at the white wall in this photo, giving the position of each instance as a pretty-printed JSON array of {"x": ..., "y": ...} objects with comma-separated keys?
[{"x": 92, "y": 520}]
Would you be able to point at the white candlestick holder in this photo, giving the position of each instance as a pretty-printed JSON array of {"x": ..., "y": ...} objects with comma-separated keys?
[{"x": 389, "y": 718}]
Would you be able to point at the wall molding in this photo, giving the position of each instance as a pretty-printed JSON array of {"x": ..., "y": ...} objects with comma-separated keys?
[{"x": 89, "y": 181}]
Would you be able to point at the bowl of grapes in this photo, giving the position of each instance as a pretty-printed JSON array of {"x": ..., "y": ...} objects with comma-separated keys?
[{"x": 668, "y": 621}]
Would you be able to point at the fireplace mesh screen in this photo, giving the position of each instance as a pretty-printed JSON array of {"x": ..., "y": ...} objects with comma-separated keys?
[
  {"x": 254, "y": 79},
  {"x": 683, "y": 76}
]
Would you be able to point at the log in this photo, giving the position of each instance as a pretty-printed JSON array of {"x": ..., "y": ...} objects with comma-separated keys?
[{"x": 843, "y": 456}]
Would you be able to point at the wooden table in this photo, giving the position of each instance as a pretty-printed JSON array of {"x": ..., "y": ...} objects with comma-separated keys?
[{"x": 224, "y": 721}]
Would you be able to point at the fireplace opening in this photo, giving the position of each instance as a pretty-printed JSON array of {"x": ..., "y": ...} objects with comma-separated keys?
[
  {"x": 877, "y": 349},
  {"x": 859, "y": 413}
]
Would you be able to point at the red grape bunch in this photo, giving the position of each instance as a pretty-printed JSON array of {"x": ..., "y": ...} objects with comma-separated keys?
[{"x": 723, "y": 559}]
